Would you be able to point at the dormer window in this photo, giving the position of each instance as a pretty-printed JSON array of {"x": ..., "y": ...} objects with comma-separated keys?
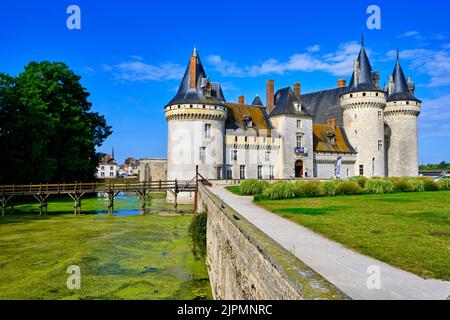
[
  {"x": 208, "y": 90},
  {"x": 248, "y": 121},
  {"x": 298, "y": 106},
  {"x": 332, "y": 137}
]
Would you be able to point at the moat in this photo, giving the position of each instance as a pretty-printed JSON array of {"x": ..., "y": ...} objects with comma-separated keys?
[{"x": 129, "y": 255}]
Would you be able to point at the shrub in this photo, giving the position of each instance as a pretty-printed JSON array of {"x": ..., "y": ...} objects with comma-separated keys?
[
  {"x": 329, "y": 188},
  {"x": 430, "y": 185},
  {"x": 253, "y": 187},
  {"x": 361, "y": 180},
  {"x": 310, "y": 189},
  {"x": 379, "y": 186},
  {"x": 197, "y": 233},
  {"x": 348, "y": 188},
  {"x": 402, "y": 185},
  {"x": 417, "y": 185},
  {"x": 444, "y": 184},
  {"x": 282, "y": 190}
]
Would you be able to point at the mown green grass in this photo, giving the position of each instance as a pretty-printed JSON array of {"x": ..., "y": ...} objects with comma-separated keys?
[
  {"x": 407, "y": 230},
  {"x": 234, "y": 189},
  {"x": 120, "y": 257}
]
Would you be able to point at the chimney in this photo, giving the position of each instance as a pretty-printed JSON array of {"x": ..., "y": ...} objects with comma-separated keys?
[
  {"x": 332, "y": 124},
  {"x": 391, "y": 85},
  {"x": 411, "y": 86},
  {"x": 193, "y": 71},
  {"x": 356, "y": 72},
  {"x": 342, "y": 83},
  {"x": 270, "y": 96},
  {"x": 241, "y": 100},
  {"x": 297, "y": 87},
  {"x": 376, "y": 78}
]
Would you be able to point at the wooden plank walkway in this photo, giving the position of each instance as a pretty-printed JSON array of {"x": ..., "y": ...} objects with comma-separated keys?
[{"x": 41, "y": 192}]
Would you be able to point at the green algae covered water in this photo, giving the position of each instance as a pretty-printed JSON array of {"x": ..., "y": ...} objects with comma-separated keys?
[{"x": 130, "y": 255}]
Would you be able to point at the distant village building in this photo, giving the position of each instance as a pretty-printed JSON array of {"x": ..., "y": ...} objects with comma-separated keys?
[
  {"x": 354, "y": 129},
  {"x": 130, "y": 168},
  {"x": 107, "y": 167}
]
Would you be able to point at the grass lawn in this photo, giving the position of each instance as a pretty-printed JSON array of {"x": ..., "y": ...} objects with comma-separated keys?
[
  {"x": 120, "y": 257},
  {"x": 407, "y": 230},
  {"x": 234, "y": 189}
]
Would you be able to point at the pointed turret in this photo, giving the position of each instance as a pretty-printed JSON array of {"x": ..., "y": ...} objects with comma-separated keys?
[
  {"x": 362, "y": 78},
  {"x": 401, "y": 118},
  {"x": 195, "y": 87},
  {"x": 363, "y": 104},
  {"x": 399, "y": 89}
]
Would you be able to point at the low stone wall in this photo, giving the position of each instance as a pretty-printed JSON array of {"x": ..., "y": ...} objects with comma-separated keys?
[{"x": 245, "y": 264}]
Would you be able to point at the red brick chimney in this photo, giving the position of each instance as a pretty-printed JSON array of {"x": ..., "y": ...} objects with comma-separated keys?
[
  {"x": 270, "y": 95},
  {"x": 297, "y": 87},
  {"x": 241, "y": 100},
  {"x": 342, "y": 83},
  {"x": 332, "y": 123},
  {"x": 193, "y": 71}
]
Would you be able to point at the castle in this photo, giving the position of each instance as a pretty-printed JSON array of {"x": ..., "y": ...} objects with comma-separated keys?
[{"x": 354, "y": 129}]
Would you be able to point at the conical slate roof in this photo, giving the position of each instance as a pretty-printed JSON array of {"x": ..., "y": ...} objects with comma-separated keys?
[
  {"x": 365, "y": 81},
  {"x": 401, "y": 90},
  {"x": 257, "y": 102},
  {"x": 196, "y": 95}
]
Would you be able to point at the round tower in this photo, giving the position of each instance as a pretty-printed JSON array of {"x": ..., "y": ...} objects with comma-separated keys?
[
  {"x": 401, "y": 117},
  {"x": 196, "y": 129},
  {"x": 363, "y": 105}
]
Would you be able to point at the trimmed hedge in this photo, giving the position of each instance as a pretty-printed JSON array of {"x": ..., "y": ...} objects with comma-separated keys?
[
  {"x": 281, "y": 190},
  {"x": 314, "y": 188},
  {"x": 402, "y": 185},
  {"x": 348, "y": 188},
  {"x": 329, "y": 188},
  {"x": 361, "y": 180},
  {"x": 444, "y": 184},
  {"x": 253, "y": 187},
  {"x": 311, "y": 189},
  {"x": 379, "y": 186}
]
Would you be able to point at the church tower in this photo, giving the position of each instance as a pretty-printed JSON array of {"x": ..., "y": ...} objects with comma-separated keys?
[
  {"x": 196, "y": 128},
  {"x": 401, "y": 117},
  {"x": 363, "y": 106}
]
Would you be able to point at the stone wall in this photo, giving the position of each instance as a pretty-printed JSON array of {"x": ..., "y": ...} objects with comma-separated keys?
[
  {"x": 152, "y": 169},
  {"x": 245, "y": 264},
  {"x": 403, "y": 138},
  {"x": 364, "y": 126}
]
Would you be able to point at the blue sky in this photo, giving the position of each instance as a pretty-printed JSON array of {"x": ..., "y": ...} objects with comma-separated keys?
[{"x": 132, "y": 54}]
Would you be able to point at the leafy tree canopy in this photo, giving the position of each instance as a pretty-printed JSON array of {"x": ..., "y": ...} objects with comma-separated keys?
[
  {"x": 440, "y": 166},
  {"x": 48, "y": 132}
]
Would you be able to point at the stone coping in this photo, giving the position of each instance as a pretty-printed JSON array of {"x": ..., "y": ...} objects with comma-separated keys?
[{"x": 301, "y": 277}]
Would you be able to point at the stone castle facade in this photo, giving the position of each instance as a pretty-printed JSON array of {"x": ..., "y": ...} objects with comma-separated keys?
[{"x": 354, "y": 129}]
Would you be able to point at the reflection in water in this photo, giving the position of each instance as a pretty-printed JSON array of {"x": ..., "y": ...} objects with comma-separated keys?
[{"x": 128, "y": 204}]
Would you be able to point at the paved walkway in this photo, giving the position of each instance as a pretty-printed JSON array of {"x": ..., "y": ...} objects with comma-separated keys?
[{"x": 343, "y": 267}]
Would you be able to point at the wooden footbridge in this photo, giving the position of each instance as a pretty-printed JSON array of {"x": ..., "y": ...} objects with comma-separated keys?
[{"x": 41, "y": 192}]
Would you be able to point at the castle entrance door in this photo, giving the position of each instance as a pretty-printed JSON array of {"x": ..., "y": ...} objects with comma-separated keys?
[{"x": 299, "y": 169}]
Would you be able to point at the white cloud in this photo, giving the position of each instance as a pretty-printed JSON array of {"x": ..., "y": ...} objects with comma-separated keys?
[
  {"x": 409, "y": 34},
  {"x": 435, "y": 117},
  {"x": 136, "y": 70},
  {"x": 339, "y": 63},
  {"x": 313, "y": 49},
  {"x": 433, "y": 63}
]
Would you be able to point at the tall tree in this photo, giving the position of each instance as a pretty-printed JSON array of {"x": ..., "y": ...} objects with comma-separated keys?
[{"x": 48, "y": 132}]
